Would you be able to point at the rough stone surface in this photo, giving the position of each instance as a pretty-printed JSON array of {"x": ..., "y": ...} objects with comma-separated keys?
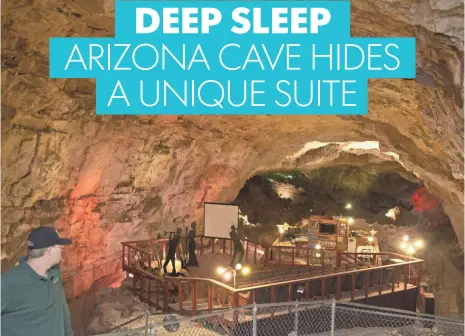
[
  {"x": 115, "y": 307},
  {"x": 103, "y": 179},
  {"x": 290, "y": 196}
]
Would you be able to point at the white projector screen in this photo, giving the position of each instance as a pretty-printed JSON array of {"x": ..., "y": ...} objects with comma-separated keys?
[{"x": 218, "y": 219}]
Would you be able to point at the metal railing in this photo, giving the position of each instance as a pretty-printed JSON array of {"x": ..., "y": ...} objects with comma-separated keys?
[
  {"x": 92, "y": 298},
  {"x": 297, "y": 318},
  {"x": 87, "y": 283},
  {"x": 78, "y": 281}
]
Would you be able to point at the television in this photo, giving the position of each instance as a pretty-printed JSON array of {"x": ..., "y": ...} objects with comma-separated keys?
[{"x": 328, "y": 229}]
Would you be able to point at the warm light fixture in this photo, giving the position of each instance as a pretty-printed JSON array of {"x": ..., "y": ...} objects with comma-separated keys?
[
  {"x": 418, "y": 243},
  {"x": 370, "y": 239},
  {"x": 350, "y": 220},
  {"x": 410, "y": 249},
  {"x": 349, "y": 206},
  {"x": 318, "y": 246},
  {"x": 228, "y": 273},
  {"x": 318, "y": 254},
  {"x": 281, "y": 230}
]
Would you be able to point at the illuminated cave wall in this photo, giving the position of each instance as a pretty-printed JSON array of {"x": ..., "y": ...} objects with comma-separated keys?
[{"x": 278, "y": 197}]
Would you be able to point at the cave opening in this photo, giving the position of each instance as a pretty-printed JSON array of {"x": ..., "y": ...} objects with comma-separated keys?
[
  {"x": 366, "y": 195},
  {"x": 327, "y": 191}
]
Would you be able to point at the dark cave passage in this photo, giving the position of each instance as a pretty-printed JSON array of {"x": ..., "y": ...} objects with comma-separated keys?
[{"x": 277, "y": 197}]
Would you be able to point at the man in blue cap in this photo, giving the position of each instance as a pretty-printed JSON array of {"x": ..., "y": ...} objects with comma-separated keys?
[{"x": 33, "y": 299}]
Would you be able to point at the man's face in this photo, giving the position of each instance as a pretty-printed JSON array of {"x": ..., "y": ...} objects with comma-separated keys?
[{"x": 55, "y": 254}]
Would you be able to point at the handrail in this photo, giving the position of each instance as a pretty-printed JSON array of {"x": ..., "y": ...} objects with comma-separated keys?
[
  {"x": 145, "y": 240},
  {"x": 138, "y": 249},
  {"x": 258, "y": 246},
  {"x": 72, "y": 273},
  {"x": 324, "y": 276},
  {"x": 148, "y": 250},
  {"x": 213, "y": 281},
  {"x": 155, "y": 240},
  {"x": 380, "y": 253},
  {"x": 281, "y": 283},
  {"x": 69, "y": 280}
]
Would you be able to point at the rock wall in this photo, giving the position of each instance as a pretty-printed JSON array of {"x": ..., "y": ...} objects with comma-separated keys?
[
  {"x": 103, "y": 179},
  {"x": 289, "y": 197}
]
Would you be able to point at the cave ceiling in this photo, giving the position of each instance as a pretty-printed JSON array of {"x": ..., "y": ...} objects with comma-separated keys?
[{"x": 103, "y": 179}]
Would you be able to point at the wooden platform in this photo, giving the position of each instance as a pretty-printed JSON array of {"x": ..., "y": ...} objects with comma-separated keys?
[{"x": 349, "y": 277}]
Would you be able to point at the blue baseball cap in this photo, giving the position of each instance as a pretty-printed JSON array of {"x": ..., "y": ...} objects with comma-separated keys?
[{"x": 45, "y": 236}]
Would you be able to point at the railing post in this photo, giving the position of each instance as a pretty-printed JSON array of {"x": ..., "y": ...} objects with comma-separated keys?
[
  {"x": 201, "y": 245},
  {"x": 255, "y": 254},
  {"x": 180, "y": 296},
  {"x": 122, "y": 262},
  {"x": 266, "y": 256},
  {"x": 210, "y": 297},
  {"x": 254, "y": 320},
  {"x": 236, "y": 308},
  {"x": 146, "y": 323},
  {"x": 194, "y": 298},
  {"x": 333, "y": 317},
  {"x": 296, "y": 320},
  {"x": 322, "y": 259},
  {"x": 165, "y": 296}
]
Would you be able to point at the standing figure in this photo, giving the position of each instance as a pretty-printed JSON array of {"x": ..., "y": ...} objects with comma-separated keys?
[
  {"x": 191, "y": 245},
  {"x": 238, "y": 248},
  {"x": 33, "y": 299},
  {"x": 172, "y": 245}
]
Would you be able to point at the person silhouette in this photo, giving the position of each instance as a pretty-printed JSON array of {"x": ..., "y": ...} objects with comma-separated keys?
[
  {"x": 191, "y": 245},
  {"x": 238, "y": 248},
  {"x": 172, "y": 246}
]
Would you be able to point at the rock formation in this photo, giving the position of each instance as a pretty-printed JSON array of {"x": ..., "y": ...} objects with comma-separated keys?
[
  {"x": 288, "y": 197},
  {"x": 104, "y": 179}
]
